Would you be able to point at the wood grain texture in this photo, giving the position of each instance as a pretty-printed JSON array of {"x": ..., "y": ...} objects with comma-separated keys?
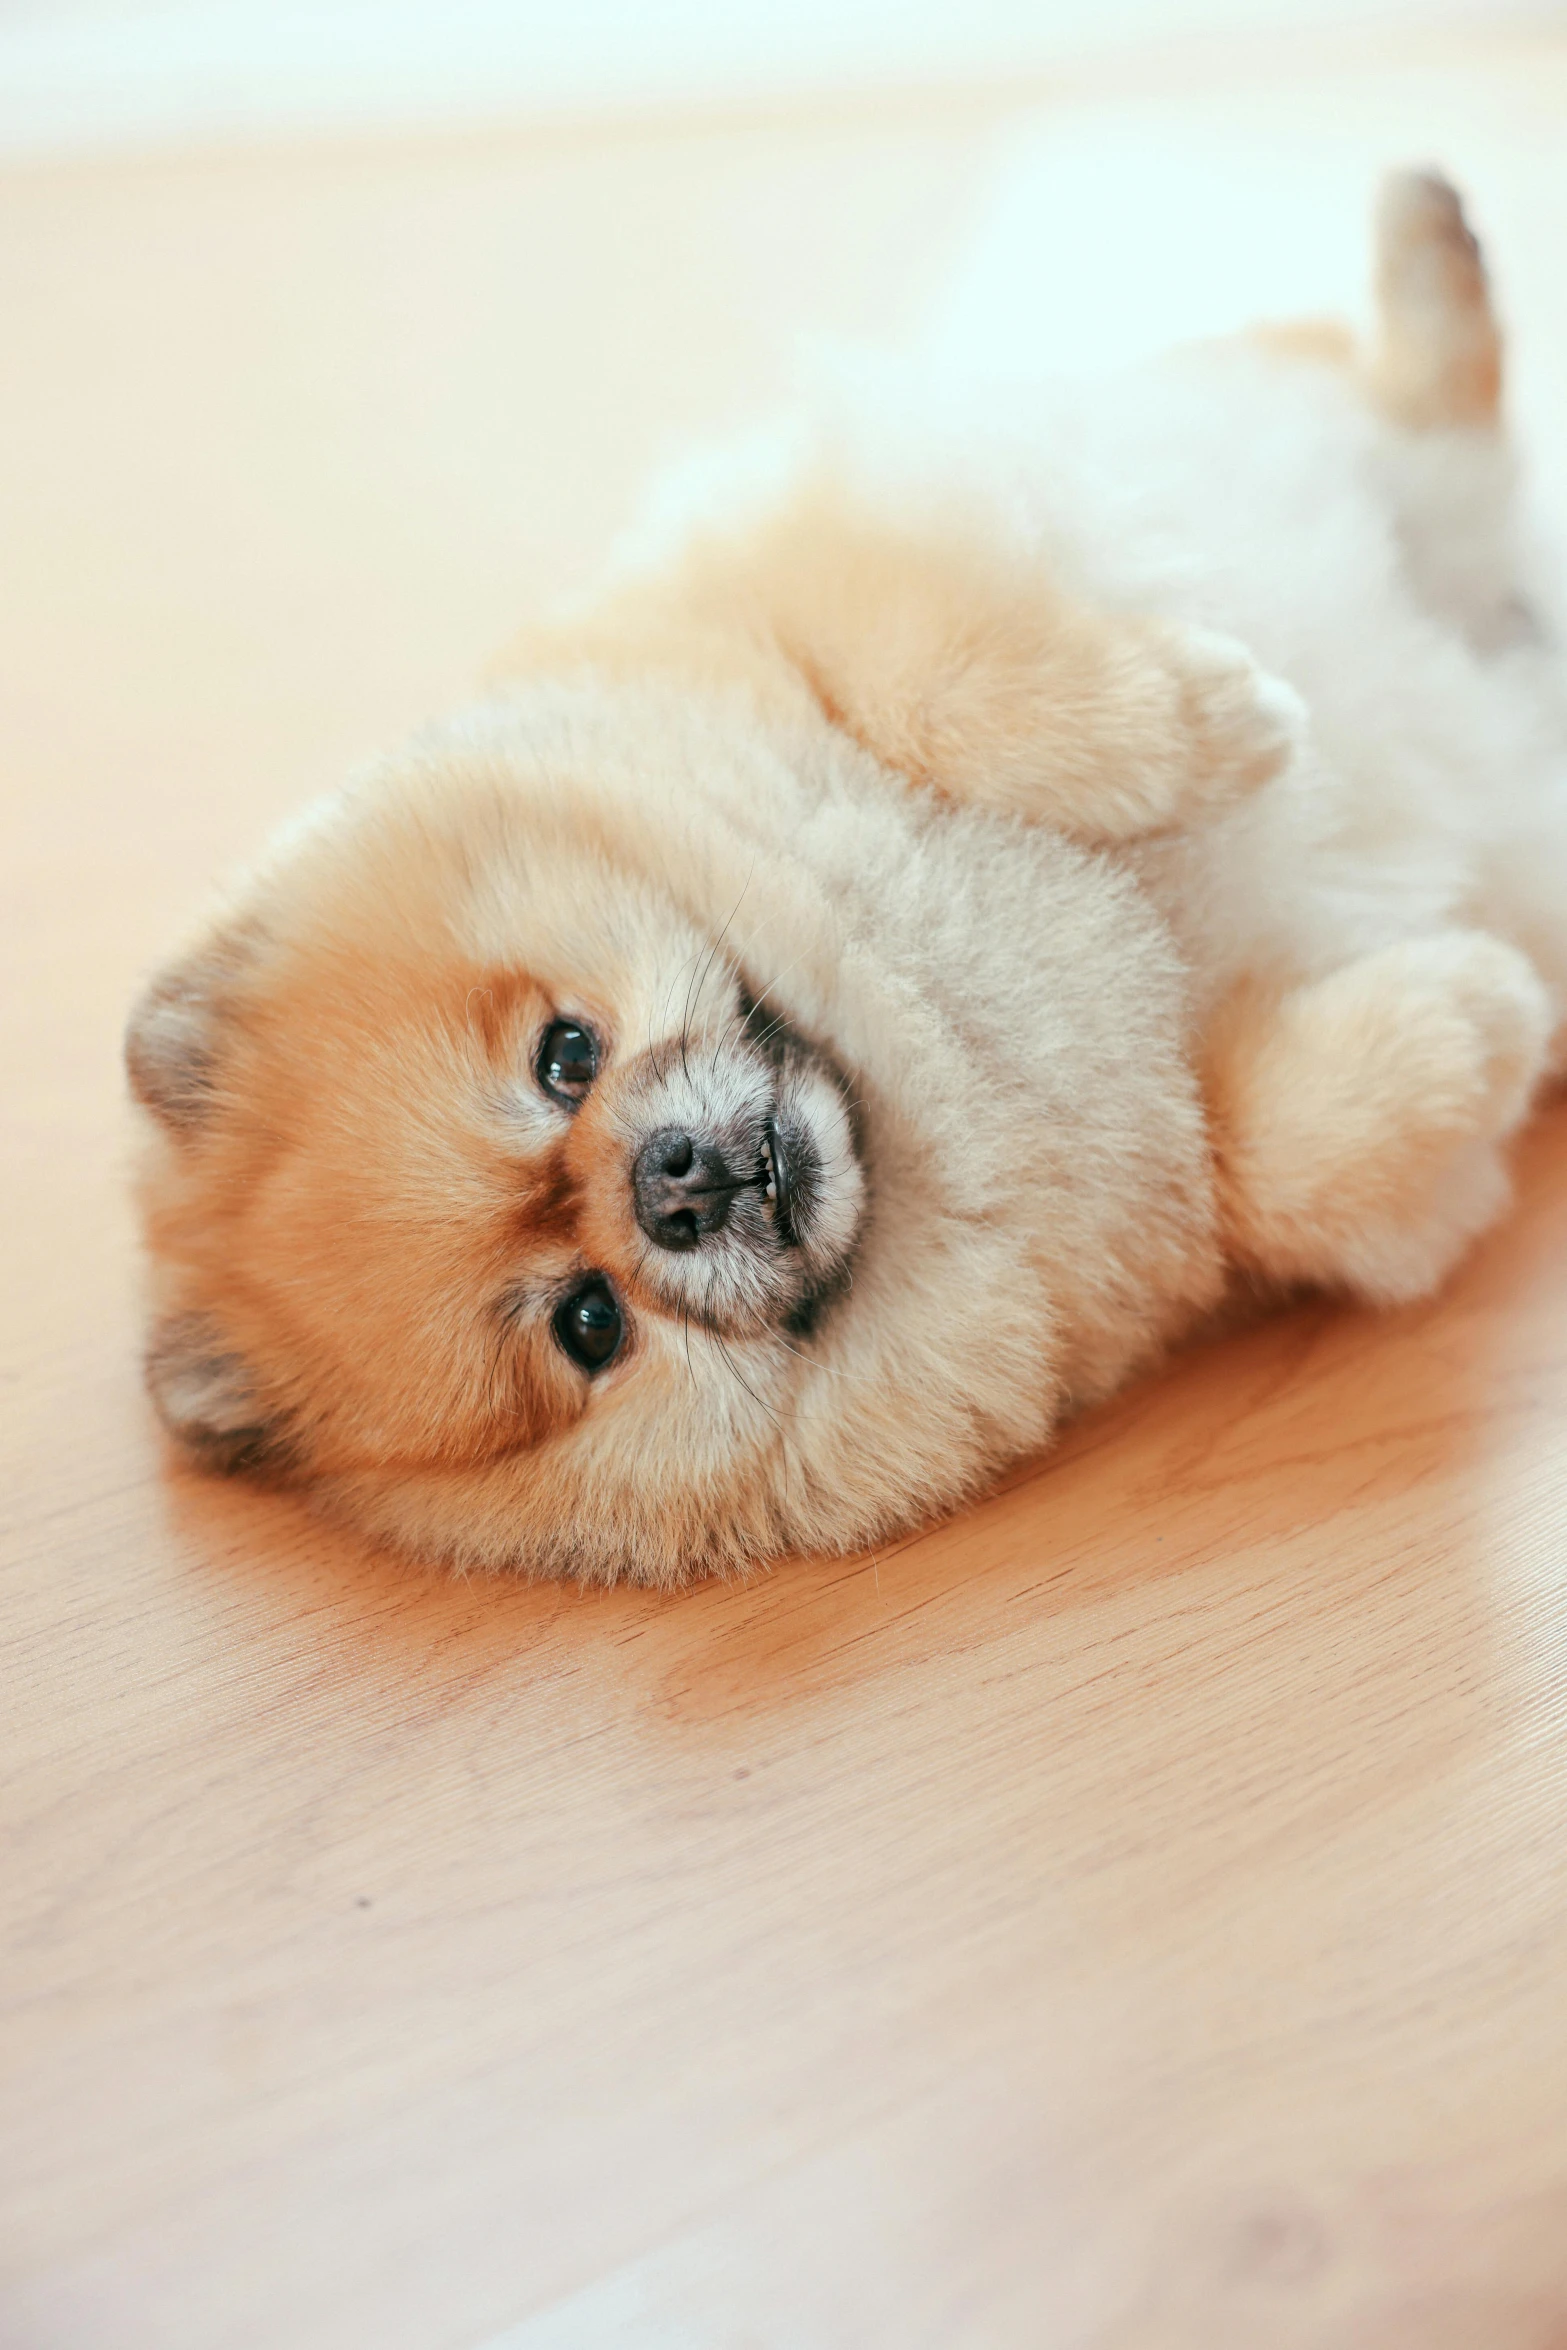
[{"x": 1133, "y": 1916}]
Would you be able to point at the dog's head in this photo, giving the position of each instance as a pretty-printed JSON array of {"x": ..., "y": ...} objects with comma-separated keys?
[
  {"x": 475, "y": 1140},
  {"x": 518, "y": 1131}
]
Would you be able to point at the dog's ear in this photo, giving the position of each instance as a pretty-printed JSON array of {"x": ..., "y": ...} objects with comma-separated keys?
[
  {"x": 174, "y": 1038},
  {"x": 205, "y": 1396}
]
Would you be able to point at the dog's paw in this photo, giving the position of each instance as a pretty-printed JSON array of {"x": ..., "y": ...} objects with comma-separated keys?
[
  {"x": 1473, "y": 1026},
  {"x": 1360, "y": 1118},
  {"x": 1240, "y": 726},
  {"x": 1461, "y": 1050}
]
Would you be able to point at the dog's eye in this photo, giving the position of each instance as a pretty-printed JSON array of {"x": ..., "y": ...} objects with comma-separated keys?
[
  {"x": 589, "y": 1326},
  {"x": 568, "y": 1060}
]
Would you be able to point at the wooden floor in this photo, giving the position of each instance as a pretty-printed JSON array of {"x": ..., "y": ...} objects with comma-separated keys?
[{"x": 1134, "y": 1916}]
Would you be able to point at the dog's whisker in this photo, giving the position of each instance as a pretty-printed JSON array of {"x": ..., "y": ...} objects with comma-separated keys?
[
  {"x": 776, "y": 981},
  {"x": 828, "y": 1370},
  {"x": 705, "y": 961},
  {"x": 712, "y": 953},
  {"x": 738, "y": 1374},
  {"x": 662, "y": 1068}
]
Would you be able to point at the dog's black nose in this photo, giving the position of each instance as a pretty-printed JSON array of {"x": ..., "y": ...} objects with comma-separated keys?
[{"x": 682, "y": 1188}]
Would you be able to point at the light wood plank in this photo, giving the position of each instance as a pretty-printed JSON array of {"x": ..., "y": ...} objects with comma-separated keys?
[{"x": 1134, "y": 1915}]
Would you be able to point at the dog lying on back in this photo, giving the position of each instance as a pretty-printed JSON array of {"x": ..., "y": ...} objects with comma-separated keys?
[{"x": 889, "y": 965}]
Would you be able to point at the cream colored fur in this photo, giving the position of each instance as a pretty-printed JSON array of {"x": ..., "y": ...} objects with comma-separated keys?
[{"x": 1150, "y": 803}]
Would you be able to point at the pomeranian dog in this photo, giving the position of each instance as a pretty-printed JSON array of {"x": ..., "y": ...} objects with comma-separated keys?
[{"x": 993, "y": 872}]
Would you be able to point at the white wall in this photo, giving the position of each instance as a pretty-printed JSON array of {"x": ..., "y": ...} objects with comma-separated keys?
[{"x": 88, "y": 74}]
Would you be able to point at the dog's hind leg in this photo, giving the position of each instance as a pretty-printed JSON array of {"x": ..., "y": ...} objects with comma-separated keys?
[
  {"x": 1436, "y": 355},
  {"x": 1431, "y": 372},
  {"x": 1433, "y": 362},
  {"x": 1357, "y": 1120},
  {"x": 1434, "y": 372},
  {"x": 1445, "y": 463}
]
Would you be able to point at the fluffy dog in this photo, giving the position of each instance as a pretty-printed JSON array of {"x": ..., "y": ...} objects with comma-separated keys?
[{"x": 889, "y": 964}]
